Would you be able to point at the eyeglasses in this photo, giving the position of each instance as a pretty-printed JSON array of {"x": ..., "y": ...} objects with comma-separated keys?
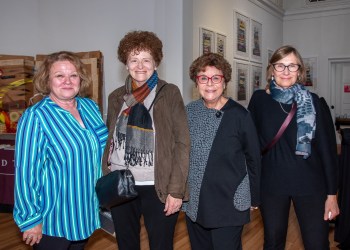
[
  {"x": 215, "y": 79},
  {"x": 280, "y": 67}
]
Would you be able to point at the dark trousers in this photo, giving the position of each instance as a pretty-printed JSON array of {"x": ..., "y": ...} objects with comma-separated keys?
[
  {"x": 309, "y": 211},
  {"x": 59, "y": 243},
  {"x": 160, "y": 228},
  {"x": 221, "y": 238}
]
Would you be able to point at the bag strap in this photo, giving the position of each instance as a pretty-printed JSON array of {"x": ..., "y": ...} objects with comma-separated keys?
[
  {"x": 281, "y": 130},
  {"x": 156, "y": 97}
]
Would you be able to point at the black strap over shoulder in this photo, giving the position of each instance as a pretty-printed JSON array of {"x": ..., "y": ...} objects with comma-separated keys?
[
  {"x": 281, "y": 130},
  {"x": 156, "y": 97}
]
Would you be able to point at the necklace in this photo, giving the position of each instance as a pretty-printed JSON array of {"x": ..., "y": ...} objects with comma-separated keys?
[{"x": 283, "y": 108}]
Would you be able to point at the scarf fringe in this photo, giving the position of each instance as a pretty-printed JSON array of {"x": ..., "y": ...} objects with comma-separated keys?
[
  {"x": 121, "y": 138},
  {"x": 134, "y": 156}
]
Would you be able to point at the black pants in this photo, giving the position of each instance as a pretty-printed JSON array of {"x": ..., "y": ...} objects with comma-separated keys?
[
  {"x": 221, "y": 238},
  {"x": 309, "y": 211},
  {"x": 160, "y": 228},
  {"x": 59, "y": 243}
]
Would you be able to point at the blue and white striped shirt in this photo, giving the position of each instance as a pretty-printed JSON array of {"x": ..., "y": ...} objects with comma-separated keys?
[{"x": 57, "y": 164}]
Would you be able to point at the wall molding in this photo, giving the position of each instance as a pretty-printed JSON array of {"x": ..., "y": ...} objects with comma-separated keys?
[
  {"x": 316, "y": 12},
  {"x": 270, "y": 7}
]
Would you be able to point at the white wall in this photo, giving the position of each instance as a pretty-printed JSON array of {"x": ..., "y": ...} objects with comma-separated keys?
[
  {"x": 33, "y": 27},
  {"x": 43, "y": 26},
  {"x": 218, "y": 16},
  {"x": 321, "y": 32}
]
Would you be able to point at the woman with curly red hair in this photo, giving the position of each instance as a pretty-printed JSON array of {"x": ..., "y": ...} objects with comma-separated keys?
[{"x": 148, "y": 133}]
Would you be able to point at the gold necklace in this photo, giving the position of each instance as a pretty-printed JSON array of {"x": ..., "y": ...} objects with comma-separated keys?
[{"x": 283, "y": 108}]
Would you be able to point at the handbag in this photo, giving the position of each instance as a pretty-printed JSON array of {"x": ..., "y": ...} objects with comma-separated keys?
[
  {"x": 116, "y": 188},
  {"x": 281, "y": 130}
]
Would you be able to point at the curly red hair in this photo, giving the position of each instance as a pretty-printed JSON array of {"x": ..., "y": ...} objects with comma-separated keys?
[{"x": 136, "y": 41}]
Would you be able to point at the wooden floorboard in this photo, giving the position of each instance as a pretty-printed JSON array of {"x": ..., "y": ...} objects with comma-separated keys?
[{"x": 252, "y": 237}]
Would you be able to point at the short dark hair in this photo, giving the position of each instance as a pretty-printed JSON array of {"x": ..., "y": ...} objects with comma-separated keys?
[{"x": 211, "y": 59}]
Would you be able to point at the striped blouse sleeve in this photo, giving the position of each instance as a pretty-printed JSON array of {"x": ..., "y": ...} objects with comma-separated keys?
[{"x": 28, "y": 172}]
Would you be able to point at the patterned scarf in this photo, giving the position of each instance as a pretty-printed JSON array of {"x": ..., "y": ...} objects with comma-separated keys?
[
  {"x": 134, "y": 131},
  {"x": 306, "y": 114}
]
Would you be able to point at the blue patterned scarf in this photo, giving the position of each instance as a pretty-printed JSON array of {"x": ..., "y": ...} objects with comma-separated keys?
[{"x": 306, "y": 114}]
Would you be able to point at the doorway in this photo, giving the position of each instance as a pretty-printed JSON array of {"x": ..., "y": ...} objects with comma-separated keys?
[
  {"x": 340, "y": 87},
  {"x": 339, "y": 79}
]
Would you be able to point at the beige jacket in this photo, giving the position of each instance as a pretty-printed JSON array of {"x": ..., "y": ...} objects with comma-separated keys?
[{"x": 172, "y": 140}]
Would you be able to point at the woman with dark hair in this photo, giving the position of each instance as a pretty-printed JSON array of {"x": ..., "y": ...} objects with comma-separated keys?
[
  {"x": 148, "y": 133},
  {"x": 301, "y": 166},
  {"x": 224, "y": 175}
]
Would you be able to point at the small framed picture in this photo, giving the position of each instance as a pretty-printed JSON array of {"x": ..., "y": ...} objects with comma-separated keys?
[
  {"x": 255, "y": 78},
  {"x": 269, "y": 55},
  {"x": 207, "y": 41},
  {"x": 310, "y": 64},
  {"x": 220, "y": 44},
  {"x": 242, "y": 82},
  {"x": 241, "y": 36},
  {"x": 256, "y": 41}
]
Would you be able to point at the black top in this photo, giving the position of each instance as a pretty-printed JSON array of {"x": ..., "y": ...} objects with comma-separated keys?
[
  {"x": 342, "y": 227},
  {"x": 283, "y": 172},
  {"x": 220, "y": 159}
]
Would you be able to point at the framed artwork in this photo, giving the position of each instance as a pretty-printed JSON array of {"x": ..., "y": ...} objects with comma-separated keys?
[
  {"x": 220, "y": 44},
  {"x": 241, "y": 82},
  {"x": 206, "y": 41},
  {"x": 311, "y": 72},
  {"x": 269, "y": 55},
  {"x": 256, "y": 41},
  {"x": 241, "y": 36},
  {"x": 255, "y": 78}
]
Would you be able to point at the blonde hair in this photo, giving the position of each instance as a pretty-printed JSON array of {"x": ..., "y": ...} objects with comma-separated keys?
[{"x": 41, "y": 77}]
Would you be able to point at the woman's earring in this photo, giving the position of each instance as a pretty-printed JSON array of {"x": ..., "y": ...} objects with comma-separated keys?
[
  {"x": 127, "y": 68},
  {"x": 272, "y": 78}
]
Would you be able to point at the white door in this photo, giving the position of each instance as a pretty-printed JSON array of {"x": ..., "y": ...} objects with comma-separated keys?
[{"x": 340, "y": 82}]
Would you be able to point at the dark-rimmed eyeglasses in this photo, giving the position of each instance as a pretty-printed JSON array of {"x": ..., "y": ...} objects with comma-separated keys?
[
  {"x": 280, "y": 67},
  {"x": 215, "y": 79}
]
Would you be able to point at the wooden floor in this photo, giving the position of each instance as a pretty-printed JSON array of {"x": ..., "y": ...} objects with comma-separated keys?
[{"x": 10, "y": 238}]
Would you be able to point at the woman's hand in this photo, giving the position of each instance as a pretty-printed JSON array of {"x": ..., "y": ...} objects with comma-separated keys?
[
  {"x": 33, "y": 235},
  {"x": 331, "y": 208},
  {"x": 172, "y": 205}
]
